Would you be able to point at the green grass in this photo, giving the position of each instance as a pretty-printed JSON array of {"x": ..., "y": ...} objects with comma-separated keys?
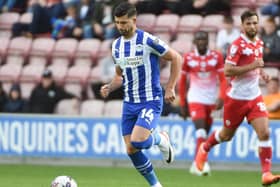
[{"x": 41, "y": 176}]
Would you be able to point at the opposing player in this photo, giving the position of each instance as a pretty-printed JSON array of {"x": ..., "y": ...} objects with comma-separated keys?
[
  {"x": 243, "y": 99},
  {"x": 136, "y": 54},
  {"x": 203, "y": 71}
]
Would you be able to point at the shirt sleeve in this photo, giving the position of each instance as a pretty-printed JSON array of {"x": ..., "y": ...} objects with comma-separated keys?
[
  {"x": 156, "y": 45},
  {"x": 234, "y": 54},
  {"x": 185, "y": 67}
]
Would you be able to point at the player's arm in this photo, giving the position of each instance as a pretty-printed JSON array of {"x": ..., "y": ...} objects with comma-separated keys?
[
  {"x": 175, "y": 69},
  {"x": 183, "y": 88},
  {"x": 222, "y": 91},
  {"x": 222, "y": 82},
  {"x": 233, "y": 70},
  {"x": 115, "y": 83}
]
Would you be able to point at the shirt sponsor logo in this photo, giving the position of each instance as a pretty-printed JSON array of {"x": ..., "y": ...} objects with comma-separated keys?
[{"x": 247, "y": 51}]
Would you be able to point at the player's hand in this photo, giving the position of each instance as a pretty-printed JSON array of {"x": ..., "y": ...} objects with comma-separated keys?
[
  {"x": 219, "y": 104},
  {"x": 169, "y": 95},
  {"x": 184, "y": 111},
  {"x": 265, "y": 77},
  {"x": 105, "y": 90},
  {"x": 258, "y": 63}
]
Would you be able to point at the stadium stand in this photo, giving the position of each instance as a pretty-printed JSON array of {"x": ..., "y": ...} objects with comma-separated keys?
[
  {"x": 166, "y": 37},
  {"x": 113, "y": 108},
  {"x": 31, "y": 72},
  {"x": 7, "y": 19},
  {"x": 64, "y": 51},
  {"x": 242, "y": 3},
  {"x": 212, "y": 23},
  {"x": 92, "y": 108},
  {"x": 236, "y": 21},
  {"x": 87, "y": 52},
  {"x": 68, "y": 107},
  {"x": 10, "y": 72},
  {"x": 167, "y": 23},
  {"x": 78, "y": 73},
  {"x": 187, "y": 36},
  {"x": 96, "y": 74},
  {"x": 18, "y": 50},
  {"x": 105, "y": 48},
  {"x": 182, "y": 46},
  {"x": 41, "y": 51},
  {"x": 146, "y": 22},
  {"x": 3, "y": 48},
  {"x": 26, "y": 88},
  {"x": 59, "y": 72},
  {"x": 260, "y": 3},
  {"x": 189, "y": 23}
]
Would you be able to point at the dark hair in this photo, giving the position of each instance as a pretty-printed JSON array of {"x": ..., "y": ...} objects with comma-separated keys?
[
  {"x": 228, "y": 20},
  {"x": 15, "y": 87},
  {"x": 248, "y": 14},
  {"x": 201, "y": 35},
  {"x": 125, "y": 8}
]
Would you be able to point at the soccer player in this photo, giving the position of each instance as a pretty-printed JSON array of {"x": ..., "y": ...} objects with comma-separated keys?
[
  {"x": 243, "y": 99},
  {"x": 136, "y": 54},
  {"x": 203, "y": 71}
]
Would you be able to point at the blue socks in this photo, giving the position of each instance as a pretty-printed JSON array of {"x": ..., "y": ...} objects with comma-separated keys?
[
  {"x": 144, "y": 167},
  {"x": 156, "y": 137},
  {"x": 153, "y": 139},
  {"x": 146, "y": 144}
]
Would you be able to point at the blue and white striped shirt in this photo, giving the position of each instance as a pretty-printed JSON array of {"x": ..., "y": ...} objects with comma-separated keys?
[{"x": 138, "y": 58}]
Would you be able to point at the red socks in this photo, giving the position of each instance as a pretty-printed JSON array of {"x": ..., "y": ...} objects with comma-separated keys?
[
  {"x": 210, "y": 142},
  {"x": 265, "y": 155}
]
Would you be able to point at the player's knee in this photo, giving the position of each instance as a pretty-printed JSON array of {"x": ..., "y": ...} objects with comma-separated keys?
[
  {"x": 130, "y": 150},
  {"x": 264, "y": 135},
  {"x": 142, "y": 144},
  {"x": 225, "y": 137}
]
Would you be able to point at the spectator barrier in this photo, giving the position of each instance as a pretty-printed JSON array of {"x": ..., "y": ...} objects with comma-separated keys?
[{"x": 69, "y": 137}]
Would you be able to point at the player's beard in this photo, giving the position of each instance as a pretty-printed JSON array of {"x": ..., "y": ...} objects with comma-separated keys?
[
  {"x": 125, "y": 32},
  {"x": 251, "y": 34}
]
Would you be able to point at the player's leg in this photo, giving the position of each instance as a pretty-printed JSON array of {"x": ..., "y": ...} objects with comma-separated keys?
[
  {"x": 201, "y": 135},
  {"x": 217, "y": 137},
  {"x": 142, "y": 163},
  {"x": 201, "y": 117},
  {"x": 231, "y": 123},
  {"x": 144, "y": 133},
  {"x": 259, "y": 120},
  {"x": 265, "y": 150},
  {"x": 198, "y": 114}
]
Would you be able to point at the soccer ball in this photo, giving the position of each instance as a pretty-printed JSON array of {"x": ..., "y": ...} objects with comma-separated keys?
[{"x": 64, "y": 181}]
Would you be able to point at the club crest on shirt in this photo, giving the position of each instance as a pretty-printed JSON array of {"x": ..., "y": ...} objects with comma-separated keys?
[
  {"x": 139, "y": 48},
  {"x": 233, "y": 50}
]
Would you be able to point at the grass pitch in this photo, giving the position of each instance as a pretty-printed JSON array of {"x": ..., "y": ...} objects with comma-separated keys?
[{"x": 41, "y": 176}]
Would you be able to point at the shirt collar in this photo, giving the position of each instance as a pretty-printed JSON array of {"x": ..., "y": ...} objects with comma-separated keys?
[
  {"x": 197, "y": 53},
  {"x": 244, "y": 37}
]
